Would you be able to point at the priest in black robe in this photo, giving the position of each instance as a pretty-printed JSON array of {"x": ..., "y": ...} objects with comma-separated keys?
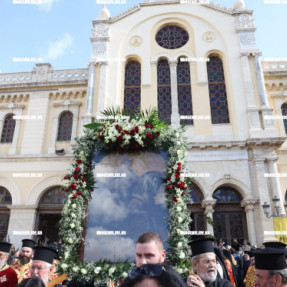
[{"x": 204, "y": 265}]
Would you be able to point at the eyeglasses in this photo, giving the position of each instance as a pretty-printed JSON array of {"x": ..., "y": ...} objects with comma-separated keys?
[
  {"x": 152, "y": 270},
  {"x": 207, "y": 262},
  {"x": 37, "y": 267}
]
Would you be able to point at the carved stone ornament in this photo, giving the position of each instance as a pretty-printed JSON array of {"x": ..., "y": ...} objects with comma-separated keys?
[
  {"x": 100, "y": 31},
  {"x": 244, "y": 22},
  {"x": 208, "y": 36},
  {"x": 99, "y": 49},
  {"x": 136, "y": 41},
  {"x": 247, "y": 40}
]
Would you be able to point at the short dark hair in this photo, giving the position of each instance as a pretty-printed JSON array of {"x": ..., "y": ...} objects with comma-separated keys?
[
  {"x": 150, "y": 236},
  {"x": 32, "y": 282}
]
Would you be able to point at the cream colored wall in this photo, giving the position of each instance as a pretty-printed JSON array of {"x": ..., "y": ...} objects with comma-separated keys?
[{"x": 197, "y": 20}]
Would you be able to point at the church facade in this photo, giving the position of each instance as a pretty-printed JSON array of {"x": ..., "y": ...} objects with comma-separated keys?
[{"x": 196, "y": 62}]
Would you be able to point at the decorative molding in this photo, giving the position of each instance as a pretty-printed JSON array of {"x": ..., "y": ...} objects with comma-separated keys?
[
  {"x": 136, "y": 41},
  {"x": 244, "y": 23},
  {"x": 247, "y": 41},
  {"x": 208, "y": 36}
]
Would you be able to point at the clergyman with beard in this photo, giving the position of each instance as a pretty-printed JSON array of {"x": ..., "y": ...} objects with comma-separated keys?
[
  {"x": 22, "y": 266},
  {"x": 204, "y": 264}
]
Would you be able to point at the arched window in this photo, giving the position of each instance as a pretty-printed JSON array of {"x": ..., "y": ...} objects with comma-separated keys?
[
  {"x": 164, "y": 91},
  {"x": 284, "y": 113},
  {"x": 8, "y": 129},
  {"x": 5, "y": 198},
  {"x": 65, "y": 126},
  {"x": 229, "y": 216},
  {"x": 184, "y": 91},
  {"x": 217, "y": 91},
  {"x": 132, "y": 94},
  {"x": 49, "y": 212},
  {"x": 196, "y": 210}
]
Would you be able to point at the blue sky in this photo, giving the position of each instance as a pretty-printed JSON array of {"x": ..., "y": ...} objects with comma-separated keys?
[{"x": 59, "y": 31}]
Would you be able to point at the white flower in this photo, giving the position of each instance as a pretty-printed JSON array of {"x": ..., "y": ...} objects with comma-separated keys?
[
  {"x": 98, "y": 269},
  {"x": 179, "y": 270},
  {"x": 181, "y": 255},
  {"x": 179, "y": 244},
  {"x": 177, "y": 135},
  {"x": 64, "y": 266},
  {"x": 180, "y": 220},
  {"x": 72, "y": 225},
  {"x": 179, "y": 208},
  {"x": 75, "y": 269},
  {"x": 74, "y": 205},
  {"x": 70, "y": 240},
  {"x": 112, "y": 270},
  {"x": 84, "y": 271},
  {"x": 66, "y": 254},
  {"x": 178, "y": 142},
  {"x": 124, "y": 274},
  {"x": 178, "y": 231},
  {"x": 73, "y": 215}
]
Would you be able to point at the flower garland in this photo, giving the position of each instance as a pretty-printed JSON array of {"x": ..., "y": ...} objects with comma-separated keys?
[{"x": 143, "y": 132}]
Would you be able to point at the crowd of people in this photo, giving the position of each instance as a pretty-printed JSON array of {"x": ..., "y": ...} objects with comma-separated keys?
[{"x": 213, "y": 265}]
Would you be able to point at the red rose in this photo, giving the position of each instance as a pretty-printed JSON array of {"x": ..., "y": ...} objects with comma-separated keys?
[
  {"x": 136, "y": 128},
  {"x": 174, "y": 183},
  {"x": 169, "y": 178},
  {"x": 117, "y": 127},
  {"x": 77, "y": 168},
  {"x": 87, "y": 168},
  {"x": 178, "y": 185},
  {"x": 84, "y": 179},
  {"x": 183, "y": 193},
  {"x": 175, "y": 199},
  {"x": 78, "y": 192},
  {"x": 133, "y": 132},
  {"x": 100, "y": 137},
  {"x": 126, "y": 132},
  {"x": 65, "y": 177},
  {"x": 169, "y": 187},
  {"x": 151, "y": 126},
  {"x": 74, "y": 196},
  {"x": 158, "y": 134},
  {"x": 146, "y": 125},
  {"x": 75, "y": 176},
  {"x": 179, "y": 167},
  {"x": 185, "y": 187},
  {"x": 79, "y": 161},
  {"x": 67, "y": 190},
  {"x": 178, "y": 163},
  {"x": 177, "y": 175},
  {"x": 73, "y": 186}
]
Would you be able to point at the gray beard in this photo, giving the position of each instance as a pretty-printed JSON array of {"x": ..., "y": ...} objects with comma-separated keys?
[{"x": 206, "y": 277}]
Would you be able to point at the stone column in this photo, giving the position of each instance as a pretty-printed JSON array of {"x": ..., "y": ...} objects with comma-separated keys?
[
  {"x": 175, "y": 119},
  {"x": 102, "y": 89},
  {"x": 13, "y": 148},
  {"x": 262, "y": 192},
  {"x": 275, "y": 184},
  {"x": 253, "y": 111},
  {"x": 248, "y": 204},
  {"x": 260, "y": 80},
  {"x": 91, "y": 89},
  {"x": 21, "y": 223},
  {"x": 208, "y": 205}
]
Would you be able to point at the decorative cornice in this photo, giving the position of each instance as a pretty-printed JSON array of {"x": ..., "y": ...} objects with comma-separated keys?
[{"x": 266, "y": 142}]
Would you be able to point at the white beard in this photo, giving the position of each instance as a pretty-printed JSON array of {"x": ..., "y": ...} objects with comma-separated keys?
[{"x": 205, "y": 276}]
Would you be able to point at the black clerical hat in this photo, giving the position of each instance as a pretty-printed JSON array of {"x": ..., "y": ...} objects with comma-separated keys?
[
  {"x": 202, "y": 245},
  {"x": 275, "y": 244},
  {"x": 45, "y": 254},
  {"x": 270, "y": 259},
  {"x": 28, "y": 243},
  {"x": 5, "y": 246}
]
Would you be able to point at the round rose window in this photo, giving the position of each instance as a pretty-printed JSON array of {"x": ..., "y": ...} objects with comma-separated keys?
[{"x": 171, "y": 37}]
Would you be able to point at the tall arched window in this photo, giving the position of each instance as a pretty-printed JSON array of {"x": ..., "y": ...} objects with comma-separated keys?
[
  {"x": 229, "y": 216},
  {"x": 132, "y": 93},
  {"x": 184, "y": 91},
  {"x": 284, "y": 113},
  {"x": 65, "y": 126},
  {"x": 217, "y": 91},
  {"x": 5, "y": 198},
  {"x": 196, "y": 210},
  {"x": 49, "y": 212},
  {"x": 8, "y": 129},
  {"x": 164, "y": 90}
]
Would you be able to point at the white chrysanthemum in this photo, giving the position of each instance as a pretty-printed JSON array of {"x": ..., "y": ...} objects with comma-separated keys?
[
  {"x": 98, "y": 269},
  {"x": 112, "y": 270},
  {"x": 84, "y": 271},
  {"x": 181, "y": 255}
]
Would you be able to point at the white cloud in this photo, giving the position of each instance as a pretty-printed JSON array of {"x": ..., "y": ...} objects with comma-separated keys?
[
  {"x": 46, "y": 5},
  {"x": 60, "y": 47}
]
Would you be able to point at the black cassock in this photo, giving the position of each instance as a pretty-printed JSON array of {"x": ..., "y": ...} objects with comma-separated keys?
[{"x": 219, "y": 283}]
